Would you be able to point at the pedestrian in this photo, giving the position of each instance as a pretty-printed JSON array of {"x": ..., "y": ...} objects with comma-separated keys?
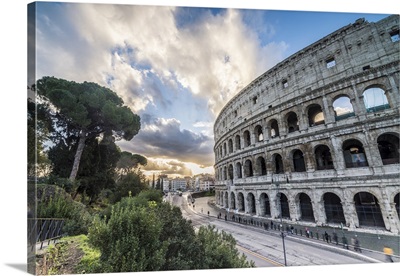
[
  {"x": 357, "y": 244},
  {"x": 291, "y": 229},
  {"x": 335, "y": 238},
  {"x": 307, "y": 233},
  {"x": 326, "y": 236},
  {"x": 226, "y": 218},
  {"x": 388, "y": 253},
  {"x": 208, "y": 213},
  {"x": 344, "y": 241}
]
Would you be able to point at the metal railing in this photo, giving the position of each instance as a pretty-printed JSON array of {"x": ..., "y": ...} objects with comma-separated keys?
[{"x": 42, "y": 230}]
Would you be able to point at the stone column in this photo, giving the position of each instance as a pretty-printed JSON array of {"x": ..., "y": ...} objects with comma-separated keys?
[
  {"x": 337, "y": 155},
  {"x": 350, "y": 213},
  {"x": 329, "y": 113},
  {"x": 387, "y": 210},
  {"x": 391, "y": 93}
]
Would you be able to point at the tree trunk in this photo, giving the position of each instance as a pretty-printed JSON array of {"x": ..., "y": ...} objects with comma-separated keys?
[{"x": 78, "y": 154}]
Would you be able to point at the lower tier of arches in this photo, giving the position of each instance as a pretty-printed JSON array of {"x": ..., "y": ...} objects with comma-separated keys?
[{"x": 358, "y": 207}]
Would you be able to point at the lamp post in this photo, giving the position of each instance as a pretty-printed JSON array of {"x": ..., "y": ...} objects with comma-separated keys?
[{"x": 280, "y": 217}]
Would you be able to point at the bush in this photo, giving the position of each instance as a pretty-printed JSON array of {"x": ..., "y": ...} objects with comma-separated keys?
[
  {"x": 54, "y": 202},
  {"x": 130, "y": 239}
]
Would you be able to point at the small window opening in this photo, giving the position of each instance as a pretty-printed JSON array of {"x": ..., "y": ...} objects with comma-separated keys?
[
  {"x": 365, "y": 68},
  {"x": 285, "y": 84},
  {"x": 394, "y": 36},
  {"x": 330, "y": 63},
  {"x": 255, "y": 100}
]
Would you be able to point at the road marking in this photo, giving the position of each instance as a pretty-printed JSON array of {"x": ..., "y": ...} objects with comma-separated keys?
[{"x": 259, "y": 256}]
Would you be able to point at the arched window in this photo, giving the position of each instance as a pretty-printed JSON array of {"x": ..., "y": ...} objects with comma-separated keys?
[
  {"x": 240, "y": 204},
  {"x": 375, "y": 99},
  {"x": 230, "y": 145},
  {"x": 292, "y": 122},
  {"x": 246, "y": 136},
  {"x": 265, "y": 208},
  {"x": 261, "y": 166},
  {"x": 343, "y": 108},
  {"x": 278, "y": 164},
  {"x": 237, "y": 142},
  {"x": 298, "y": 161},
  {"x": 251, "y": 204},
  {"x": 388, "y": 145},
  {"x": 333, "y": 209},
  {"x": 323, "y": 158},
  {"x": 225, "y": 149},
  {"x": 233, "y": 201},
  {"x": 248, "y": 168},
  {"x": 315, "y": 115},
  {"x": 283, "y": 206},
  {"x": 274, "y": 129},
  {"x": 239, "y": 170},
  {"x": 225, "y": 174},
  {"x": 258, "y": 132},
  {"x": 230, "y": 172},
  {"x": 306, "y": 210},
  {"x": 354, "y": 154},
  {"x": 368, "y": 210}
]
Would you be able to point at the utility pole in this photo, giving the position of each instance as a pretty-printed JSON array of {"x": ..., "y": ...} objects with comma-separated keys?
[{"x": 280, "y": 215}]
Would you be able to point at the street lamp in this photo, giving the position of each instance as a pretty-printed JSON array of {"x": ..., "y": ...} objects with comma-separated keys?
[{"x": 280, "y": 216}]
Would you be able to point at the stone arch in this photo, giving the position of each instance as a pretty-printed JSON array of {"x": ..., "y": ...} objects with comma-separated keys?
[
  {"x": 230, "y": 172},
  {"x": 248, "y": 168},
  {"x": 226, "y": 202},
  {"x": 298, "y": 161},
  {"x": 261, "y": 166},
  {"x": 277, "y": 163},
  {"x": 233, "y": 201},
  {"x": 224, "y": 151},
  {"x": 333, "y": 208},
  {"x": 343, "y": 108},
  {"x": 305, "y": 207},
  {"x": 237, "y": 142},
  {"x": 265, "y": 206},
  {"x": 375, "y": 99},
  {"x": 292, "y": 122},
  {"x": 246, "y": 138},
  {"x": 239, "y": 170},
  {"x": 258, "y": 133},
  {"x": 283, "y": 206},
  {"x": 230, "y": 146},
  {"x": 251, "y": 204},
  {"x": 273, "y": 128},
  {"x": 388, "y": 145},
  {"x": 368, "y": 210},
  {"x": 323, "y": 157},
  {"x": 315, "y": 115},
  {"x": 354, "y": 154},
  {"x": 225, "y": 173},
  {"x": 240, "y": 202}
]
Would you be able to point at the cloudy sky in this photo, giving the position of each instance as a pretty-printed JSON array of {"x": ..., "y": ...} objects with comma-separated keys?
[{"x": 175, "y": 67}]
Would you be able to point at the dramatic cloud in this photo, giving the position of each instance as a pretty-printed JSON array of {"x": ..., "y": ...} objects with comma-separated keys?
[
  {"x": 162, "y": 64},
  {"x": 163, "y": 138}
]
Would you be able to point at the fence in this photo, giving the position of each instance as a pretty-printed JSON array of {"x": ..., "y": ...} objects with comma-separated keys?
[{"x": 42, "y": 230}]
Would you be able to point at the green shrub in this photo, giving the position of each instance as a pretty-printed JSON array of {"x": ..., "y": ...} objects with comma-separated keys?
[
  {"x": 53, "y": 202},
  {"x": 129, "y": 239}
]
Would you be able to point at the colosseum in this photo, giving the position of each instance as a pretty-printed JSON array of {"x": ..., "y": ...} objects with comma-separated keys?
[{"x": 315, "y": 140}]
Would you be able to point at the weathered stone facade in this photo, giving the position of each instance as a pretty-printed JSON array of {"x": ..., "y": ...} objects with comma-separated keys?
[{"x": 316, "y": 138}]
